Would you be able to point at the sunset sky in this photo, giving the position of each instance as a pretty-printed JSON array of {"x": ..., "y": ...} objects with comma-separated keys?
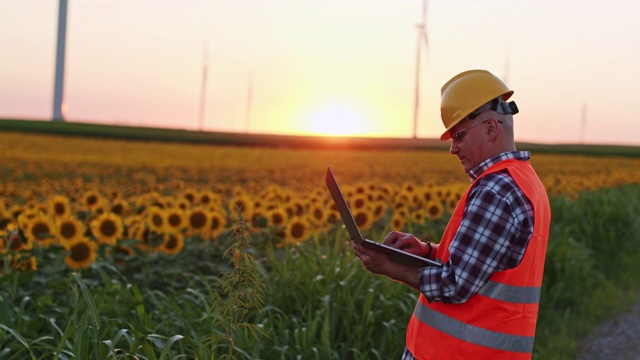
[{"x": 325, "y": 66}]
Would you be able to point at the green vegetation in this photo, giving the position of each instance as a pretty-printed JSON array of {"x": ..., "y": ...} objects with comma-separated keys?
[
  {"x": 591, "y": 268},
  {"x": 310, "y": 301},
  {"x": 244, "y": 139},
  {"x": 245, "y": 297}
]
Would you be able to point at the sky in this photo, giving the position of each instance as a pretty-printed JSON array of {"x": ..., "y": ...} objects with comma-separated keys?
[{"x": 337, "y": 67}]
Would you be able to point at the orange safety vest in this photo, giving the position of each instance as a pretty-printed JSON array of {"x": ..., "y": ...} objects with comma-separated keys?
[{"x": 499, "y": 321}]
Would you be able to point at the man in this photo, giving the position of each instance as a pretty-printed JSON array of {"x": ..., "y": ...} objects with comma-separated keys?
[{"x": 483, "y": 302}]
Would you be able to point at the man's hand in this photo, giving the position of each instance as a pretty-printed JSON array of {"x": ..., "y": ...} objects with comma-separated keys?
[
  {"x": 381, "y": 264},
  {"x": 407, "y": 242}
]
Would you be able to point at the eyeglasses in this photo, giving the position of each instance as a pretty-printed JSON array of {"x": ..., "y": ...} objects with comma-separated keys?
[{"x": 459, "y": 135}]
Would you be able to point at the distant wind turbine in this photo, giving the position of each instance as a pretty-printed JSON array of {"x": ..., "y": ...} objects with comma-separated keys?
[
  {"x": 507, "y": 64},
  {"x": 583, "y": 122},
  {"x": 59, "y": 105},
  {"x": 247, "y": 114},
  {"x": 203, "y": 88},
  {"x": 422, "y": 40}
]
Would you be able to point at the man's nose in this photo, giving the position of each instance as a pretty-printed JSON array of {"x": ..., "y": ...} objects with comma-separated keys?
[{"x": 453, "y": 149}]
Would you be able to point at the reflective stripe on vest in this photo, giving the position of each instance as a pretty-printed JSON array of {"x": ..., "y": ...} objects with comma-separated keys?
[
  {"x": 511, "y": 293},
  {"x": 473, "y": 334}
]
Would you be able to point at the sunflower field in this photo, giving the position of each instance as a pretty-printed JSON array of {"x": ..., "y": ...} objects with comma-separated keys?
[{"x": 136, "y": 249}]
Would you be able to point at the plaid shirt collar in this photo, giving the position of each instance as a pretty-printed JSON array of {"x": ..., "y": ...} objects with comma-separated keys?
[{"x": 484, "y": 165}]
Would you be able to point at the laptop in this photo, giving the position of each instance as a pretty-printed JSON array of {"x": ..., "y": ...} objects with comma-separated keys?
[{"x": 397, "y": 255}]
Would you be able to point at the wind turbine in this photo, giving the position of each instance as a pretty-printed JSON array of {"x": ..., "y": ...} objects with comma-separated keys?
[
  {"x": 247, "y": 114},
  {"x": 59, "y": 105},
  {"x": 507, "y": 66},
  {"x": 583, "y": 122},
  {"x": 203, "y": 88},
  {"x": 422, "y": 40}
]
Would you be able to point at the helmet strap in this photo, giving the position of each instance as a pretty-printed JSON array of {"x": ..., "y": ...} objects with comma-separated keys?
[{"x": 504, "y": 107}]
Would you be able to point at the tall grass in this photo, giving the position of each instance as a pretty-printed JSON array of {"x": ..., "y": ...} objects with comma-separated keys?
[
  {"x": 309, "y": 301},
  {"x": 591, "y": 267}
]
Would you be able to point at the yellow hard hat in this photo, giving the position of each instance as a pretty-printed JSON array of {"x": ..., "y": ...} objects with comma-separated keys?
[{"x": 468, "y": 91}]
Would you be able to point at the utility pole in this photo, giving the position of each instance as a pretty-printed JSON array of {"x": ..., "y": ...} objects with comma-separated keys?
[
  {"x": 59, "y": 105},
  {"x": 203, "y": 89}
]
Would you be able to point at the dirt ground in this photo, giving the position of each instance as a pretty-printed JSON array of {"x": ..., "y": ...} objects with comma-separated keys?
[{"x": 617, "y": 339}]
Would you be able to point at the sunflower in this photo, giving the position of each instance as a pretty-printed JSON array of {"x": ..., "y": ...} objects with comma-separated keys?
[
  {"x": 277, "y": 217},
  {"x": 207, "y": 197},
  {"x": 388, "y": 190},
  {"x": 107, "y": 228},
  {"x": 115, "y": 193},
  {"x": 358, "y": 201},
  {"x": 360, "y": 188},
  {"x": 409, "y": 186},
  {"x": 190, "y": 195},
  {"x": 298, "y": 230},
  {"x": 38, "y": 228},
  {"x": 333, "y": 216},
  {"x": 198, "y": 221},
  {"x": 13, "y": 243},
  {"x": 401, "y": 211},
  {"x": 91, "y": 199},
  {"x": 451, "y": 202},
  {"x": 176, "y": 221},
  {"x": 182, "y": 204},
  {"x": 140, "y": 233},
  {"x": 363, "y": 217},
  {"x": 121, "y": 253},
  {"x": 243, "y": 202},
  {"x": 296, "y": 207},
  {"x": 156, "y": 219},
  {"x": 120, "y": 207},
  {"x": 403, "y": 199},
  {"x": 173, "y": 243},
  {"x": 427, "y": 194},
  {"x": 435, "y": 209},
  {"x": 3, "y": 208},
  {"x": 441, "y": 192},
  {"x": 218, "y": 223},
  {"x": 131, "y": 222},
  {"x": 419, "y": 216},
  {"x": 259, "y": 219},
  {"x": 82, "y": 253},
  {"x": 379, "y": 208},
  {"x": 318, "y": 215},
  {"x": 398, "y": 222},
  {"x": 25, "y": 263},
  {"x": 59, "y": 206},
  {"x": 68, "y": 229}
]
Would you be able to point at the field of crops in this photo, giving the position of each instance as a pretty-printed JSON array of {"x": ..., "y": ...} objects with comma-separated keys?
[{"x": 162, "y": 250}]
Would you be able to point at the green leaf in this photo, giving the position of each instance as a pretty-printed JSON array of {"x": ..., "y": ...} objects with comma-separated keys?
[
  {"x": 86, "y": 294},
  {"x": 19, "y": 338}
]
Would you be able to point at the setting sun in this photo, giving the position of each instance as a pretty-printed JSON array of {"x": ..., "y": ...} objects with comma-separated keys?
[{"x": 336, "y": 120}]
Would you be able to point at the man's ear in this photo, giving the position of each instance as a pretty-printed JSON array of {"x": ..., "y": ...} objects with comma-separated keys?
[{"x": 492, "y": 129}]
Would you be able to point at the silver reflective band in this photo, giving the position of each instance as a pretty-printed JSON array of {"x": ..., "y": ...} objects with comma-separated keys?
[
  {"x": 473, "y": 334},
  {"x": 514, "y": 294}
]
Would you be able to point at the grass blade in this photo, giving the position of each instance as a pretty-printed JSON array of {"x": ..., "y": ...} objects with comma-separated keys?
[{"x": 19, "y": 338}]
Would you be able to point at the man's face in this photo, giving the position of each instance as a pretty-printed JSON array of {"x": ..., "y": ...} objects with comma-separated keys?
[{"x": 468, "y": 142}]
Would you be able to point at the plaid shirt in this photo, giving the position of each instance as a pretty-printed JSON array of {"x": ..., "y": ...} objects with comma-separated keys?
[{"x": 493, "y": 235}]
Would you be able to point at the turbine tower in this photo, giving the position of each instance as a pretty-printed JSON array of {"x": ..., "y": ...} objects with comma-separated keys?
[
  {"x": 507, "y": 66},
  {"x": 422, "y": 40},
  {"x": 59, "y": 105},
  {"x": 583, "y": 122},
  {"x": 203, "y": 88},
  {"x": 247, "y": 115}
]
